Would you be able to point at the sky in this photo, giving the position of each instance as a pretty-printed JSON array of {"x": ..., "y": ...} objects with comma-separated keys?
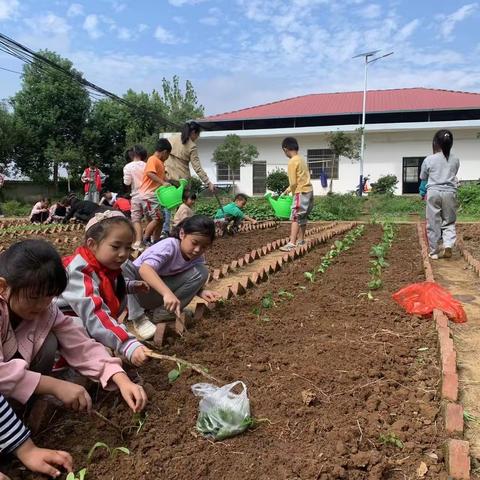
[{"x": 240, "y": 53}]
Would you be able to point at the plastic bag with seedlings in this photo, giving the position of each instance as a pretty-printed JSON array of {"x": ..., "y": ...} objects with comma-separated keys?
[{"x": 222, "y": 412}]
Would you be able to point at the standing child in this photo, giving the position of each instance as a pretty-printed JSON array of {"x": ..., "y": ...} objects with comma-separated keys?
[
  {"x": 32, "y": 329},
  {"x": 440, "y": 170},
  {"x": 15, "y": 438},
  {"x": 174, "y": 269},
  {"x": 233, "y": 212},
  {"x": 96, "y": 290},
  {"x": 301, "y": 188},
  {"x": 154, "y": 177},
  {"x": 185, "y": 209},
  {"x": 133, "y": 177}
]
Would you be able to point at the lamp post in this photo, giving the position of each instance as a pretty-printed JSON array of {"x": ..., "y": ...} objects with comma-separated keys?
[{"x": 368, "y": 60}]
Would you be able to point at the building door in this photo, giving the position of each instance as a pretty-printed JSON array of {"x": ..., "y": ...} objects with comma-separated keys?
[
  {"x": 259, "y": 177},
  {"x": 411, "y": 174}
]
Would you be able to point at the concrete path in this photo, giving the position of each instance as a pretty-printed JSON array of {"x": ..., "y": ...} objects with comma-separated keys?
[{"x": 455, "y": 275}]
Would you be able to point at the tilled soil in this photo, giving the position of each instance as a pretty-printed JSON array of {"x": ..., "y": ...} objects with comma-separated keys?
[
  {"x": 339, "y": 380},
  {"x": 471, "y": 237}
]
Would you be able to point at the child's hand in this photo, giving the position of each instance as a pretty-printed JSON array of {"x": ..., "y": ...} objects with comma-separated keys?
[
  {"x": 132, "y": 393},
  {"x": 3, "y": 476},
  {"x": 139, "y": 356},
  {"x": 172, "y": 303},
  {"x": 73, "y": 396},
  {"x": 42, "y": 460},
  {"x": 140, "y": 287},
  {"x": 209, "y": 296}
]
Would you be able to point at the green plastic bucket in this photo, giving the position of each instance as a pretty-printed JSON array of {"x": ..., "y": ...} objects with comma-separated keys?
[
  {"x": 282, "y": 205},
  {"x": 170, "y": 196}
]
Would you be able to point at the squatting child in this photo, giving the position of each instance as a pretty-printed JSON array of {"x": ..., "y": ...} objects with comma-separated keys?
[
  {"x": 233, "y": 212},
  {"x": 301, "y": 188},
  {"x": 185, "y": 209}
]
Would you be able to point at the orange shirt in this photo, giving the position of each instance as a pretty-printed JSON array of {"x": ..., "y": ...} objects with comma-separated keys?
[{"x": 156, "y": 166}]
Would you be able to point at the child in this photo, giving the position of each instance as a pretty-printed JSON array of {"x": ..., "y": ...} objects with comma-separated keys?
[
  {"x": 40, "y": 212},
  {"x": 58, "y": 211},
  {"x": 108, "y": 198},
  {"x": 96, "y": 290},
  {"x": 440, "y": 170},
  {"x": 301, "y": 187},
  {"x": 185, "y": 209},
  {"x": 233, "y": 212},
  {"x": 174, "y": 269},
  {"x": 154, "y": 177},
  {"x": 123, "y": 204},
  {"x": 32, "y": 329},
  {"x": 133, "y": 177},
  {"x": 15, "y": 438},
  {"x": 92, "y": 178}
]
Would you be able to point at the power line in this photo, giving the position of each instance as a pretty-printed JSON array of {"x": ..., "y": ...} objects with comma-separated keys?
[
  {"x": 11, "y": 71},
  {"x": 16, "y": 49}
]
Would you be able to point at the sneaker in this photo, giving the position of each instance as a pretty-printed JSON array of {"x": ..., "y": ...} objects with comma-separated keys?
[
  {"x": 288, "y": 247},
  {"x": 147, "y": 243},
  {"x": 301, "y": 242},
  {"x": 433, "y": 256},
  {"x": 447, "y": 252},
  {"x": 164, "y": 235},
  {"x": 144, "y": 328}
]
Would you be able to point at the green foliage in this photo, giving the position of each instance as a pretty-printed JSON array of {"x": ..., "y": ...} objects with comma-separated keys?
[
  {"x": 385, "y": 185},
  {"x": 394, "y": 206},
  {"x": 8, "y": 134},
  {"x": 390, "y": 439},
  {"x": 345, "y": 145},
  {"x": 12, "y": 208},
  {"x": 195, "y": 185},
  {"x": 233, "y": 154},
  {"x": 111, "y": 451},
  {"x": 337, "y": 207},
  {"x": 81, "y": 474},
  {"x": 380, "y": 251},
  {"x": 174, "y": 375},
  {"x": 469, "y": 199},
  {"x": 277, "y": 181},
  {"x": 268, "y": 301}
]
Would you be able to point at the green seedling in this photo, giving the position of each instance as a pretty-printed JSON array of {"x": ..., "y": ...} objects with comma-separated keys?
[
  {"x": 285, "y": 294},
  {"x": 368, "y": 294},
  {"x": 112, "y": 452},
  {"x": 140, "y": 418},
  {"x": 470, "y": 418},
  {"x": 375, "y": 284},
  {"x": 377, "y": 251},
  {"x": 390, "y": 439},
  {"x": 174, "y": 375},
  {"x": 310, "y": 276},
  {"x": 81, "y": 474},
  {"x": 267, "y": 301}
]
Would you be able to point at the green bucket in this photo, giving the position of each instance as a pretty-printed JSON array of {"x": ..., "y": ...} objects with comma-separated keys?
[
  {"x": 170, "y": 196},
  {"x": 282, "y": 205}
]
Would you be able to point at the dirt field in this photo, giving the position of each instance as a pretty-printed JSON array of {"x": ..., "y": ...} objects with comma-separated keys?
[
  {"x": 369, "y": 370},
  {"x": 471, "y": 237}
]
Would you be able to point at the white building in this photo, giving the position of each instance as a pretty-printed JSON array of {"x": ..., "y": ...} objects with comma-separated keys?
[{"x": 399, "y": 131}]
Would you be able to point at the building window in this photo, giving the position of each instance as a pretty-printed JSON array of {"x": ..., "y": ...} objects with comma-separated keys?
[
  {"x": 320, "y": 159},
  {"x": 226, "y": 174}
]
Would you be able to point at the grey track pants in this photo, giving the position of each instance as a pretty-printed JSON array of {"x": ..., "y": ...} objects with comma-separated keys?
[
  {"x": 441, "y": 215},
  {"x": 184, "y": 286}
]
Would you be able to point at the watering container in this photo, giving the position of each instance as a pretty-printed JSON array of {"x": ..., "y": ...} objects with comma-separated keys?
[
  {"x": 169, "y": 196},
  {"x": 281, "y": 205}
]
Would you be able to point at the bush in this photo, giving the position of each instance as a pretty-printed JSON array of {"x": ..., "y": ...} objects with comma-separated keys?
[
  {"x": 12, "y": 208},
  {"x": 394, "y": 206},
  {"x": 196, "y": 185},
  {"x": 337, "y": 207},
  {"x": 469, "y": 199},
  {"x": 385, "y": 185},
  {"x": 277, "y": 181}
]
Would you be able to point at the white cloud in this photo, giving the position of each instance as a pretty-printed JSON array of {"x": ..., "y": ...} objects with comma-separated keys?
[
  {"x": 371, "y": 11},
  {"x": 50, "y": 23},
  {"x": 164, "y": 36},
  {"x": 142, "y": 27},
  {"x": 8, "y": 8},
  {"x": 212, "y": 18},
  {"x": 179, "y": 20},
  {"x": 123, "y": 33},
  {"x": 447, "y": 23},
  {"x": 92, "y": 26},
  {"x": 75, "y": 10},
  {"x": 181, "y": 3},
  {"x": 118, "y": 6},
  {"x": 408, "y": 29}
]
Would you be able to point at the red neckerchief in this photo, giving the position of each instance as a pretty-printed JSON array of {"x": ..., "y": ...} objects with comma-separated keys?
[{"x": 106, "y": 275}]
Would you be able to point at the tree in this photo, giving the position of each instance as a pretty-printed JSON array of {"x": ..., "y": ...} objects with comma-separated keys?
[
  {"x": 232, "y": 154},
  {"x": 8, "y": 135},
  {"x": 344, "y": 145},
  {"x": 51, "y": 112},
  {"x": 385, "y": 185},
  {"x": 277, "y": 181}
]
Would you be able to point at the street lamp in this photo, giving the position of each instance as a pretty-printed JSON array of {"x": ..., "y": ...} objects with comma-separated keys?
[{"x": 368, "y": 60}]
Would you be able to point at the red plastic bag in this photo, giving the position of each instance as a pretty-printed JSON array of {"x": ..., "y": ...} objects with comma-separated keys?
[{"x": 422, "y": 298}]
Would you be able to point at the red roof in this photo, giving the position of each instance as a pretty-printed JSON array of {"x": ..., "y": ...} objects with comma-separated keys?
[{"x": 405, "y": 99}]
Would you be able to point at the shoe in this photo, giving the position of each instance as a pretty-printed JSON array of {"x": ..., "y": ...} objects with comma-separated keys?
[
  {"x": 144, "y": 328},
  {"x": 288, "y": 247},
  {"x": 164, "y": 235},
  {"x": 301, "y": 242},
  {"x": 138, "y": 246},
  {"x": 433, "y": 256},
  {"x": 161, "y": 315},
  {"x": 147, "y": 243},
  {"x": 447, "y": 252}
]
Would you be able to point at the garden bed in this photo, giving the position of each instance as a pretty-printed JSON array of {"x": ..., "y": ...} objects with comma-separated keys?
[
  {"x": 471, "y": 238},
  {"x": 348, "y": 386}
]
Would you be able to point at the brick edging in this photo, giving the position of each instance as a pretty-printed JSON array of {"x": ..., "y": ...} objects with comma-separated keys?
[
  {"x": 467, "y": 255},
  {"x": 457, "y": 456}
]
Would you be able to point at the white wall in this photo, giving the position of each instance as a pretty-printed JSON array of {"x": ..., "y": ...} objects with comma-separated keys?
[{"x": 383, "y": 155}]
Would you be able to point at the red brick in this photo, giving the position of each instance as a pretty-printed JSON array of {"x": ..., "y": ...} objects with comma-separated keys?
[
  {"x": 237, "y": 289},
  {"x": 234, "y": 264},
  {"x": 270, "y": 268},
  {"x": 440, "y": 318},
  {"x": 260, "y": 253},
  {"x": 264, "y": 250},
  {"x": 199, "y": 311},
  {"x": 453, "y": 414},
  {"x": 247, "y": 258},
  {"x": 449, "y": 361},
  {"x": 241, "y": 262},
  {"x": 246, "y": 282},
  {"x": 180, "y": 324},
  {"x": 269, "y": 247},
  {"x": 159, "y": 337},
  {"x": 286, "y": 257},
  {"x": 458, "y": 459},
  {"x": 217, "y": 274},
  {"x": 225, "y": 269},
  {"x": 255, "y": 277},
  {"x": 449, "y": 389}
]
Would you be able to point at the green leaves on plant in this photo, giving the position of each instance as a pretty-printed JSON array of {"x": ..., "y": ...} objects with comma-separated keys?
[
  {"x": 111, "y": 451},
  {"x": 268, "y": 301},
  {"x": 123, "y": 450},
  {"x": 310, "y": 276},
  {"x": 390, "y": 439},
  {"x": 380, "y": 251},
  {"x": 375, "y": 284},
  {"x": 285, "y": 294},
  {"x": 81, "y": 474},
  {"x": 173, "y": 375}
]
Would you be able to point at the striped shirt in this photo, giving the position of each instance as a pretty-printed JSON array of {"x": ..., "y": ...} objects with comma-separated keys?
[{"x": 12, "y": 431}]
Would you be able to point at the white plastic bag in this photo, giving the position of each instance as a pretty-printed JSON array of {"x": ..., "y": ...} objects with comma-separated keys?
[{"x": 222, "y": 413}]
